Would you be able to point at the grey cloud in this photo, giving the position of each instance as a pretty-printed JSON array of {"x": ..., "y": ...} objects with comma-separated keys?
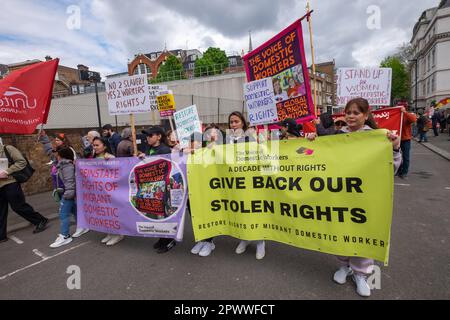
[{"x": 232, "y": 18}]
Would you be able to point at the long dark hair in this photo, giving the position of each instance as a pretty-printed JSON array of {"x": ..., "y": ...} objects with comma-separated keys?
[
  {"x": 240, "y": 116},
  {"x": 363, "y": 106},
  {"x": 105, "y": 142}
]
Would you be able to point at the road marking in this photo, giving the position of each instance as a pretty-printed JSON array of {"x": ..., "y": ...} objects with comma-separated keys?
[
  {"x": 447, "y": 188},
  {"x": 402, "y": 184},
  {"x": 40, "y": 254},
  {"x": 43, "y": 260},
  {"x": 16, "y": 240}
]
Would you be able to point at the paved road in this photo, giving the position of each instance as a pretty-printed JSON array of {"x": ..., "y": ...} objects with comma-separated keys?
[{"x": 419, "y": 261}]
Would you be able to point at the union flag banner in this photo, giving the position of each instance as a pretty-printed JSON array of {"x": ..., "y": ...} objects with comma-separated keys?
[
  {"x": 386, "y": 118},
  {"x": 25, "y": 97},
  {"x": 283, "y": 60}
]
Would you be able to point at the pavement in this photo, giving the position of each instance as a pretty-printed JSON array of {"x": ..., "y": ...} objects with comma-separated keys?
[
  {"x": 439, "y": 145},
  {"x": 419, "y": 265}
]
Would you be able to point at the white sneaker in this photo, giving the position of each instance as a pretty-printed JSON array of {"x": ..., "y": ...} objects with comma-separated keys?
[
  {"x": 362, "y": 287},
  {"x": 198, "y": 246},
  {"x": 260, "y": 250},
  {"x": 107, "y": 238},
  {"x": 242, "y": 246},
  {"x": 207, "y": 249},
  {"x": 341, "y": 275},
  {"x": 79, "y": 232},
  {"x": 61, "y": 241},
  {"x": 115, "y": 239}
]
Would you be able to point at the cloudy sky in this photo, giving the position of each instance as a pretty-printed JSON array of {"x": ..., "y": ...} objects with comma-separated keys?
[{"x": 110, "y": 32}]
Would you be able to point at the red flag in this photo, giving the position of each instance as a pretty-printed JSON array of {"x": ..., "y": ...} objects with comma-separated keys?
[{"x": 25, "y": 97}]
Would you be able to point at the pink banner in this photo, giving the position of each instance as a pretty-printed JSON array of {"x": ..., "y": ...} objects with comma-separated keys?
[{"x": 282, "y": 59}]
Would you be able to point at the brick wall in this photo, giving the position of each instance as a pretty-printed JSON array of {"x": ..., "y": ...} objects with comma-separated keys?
[{"x": 34, "y": 151}]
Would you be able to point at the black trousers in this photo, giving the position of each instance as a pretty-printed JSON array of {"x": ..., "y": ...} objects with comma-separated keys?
[{"x": 13, "y": 194}]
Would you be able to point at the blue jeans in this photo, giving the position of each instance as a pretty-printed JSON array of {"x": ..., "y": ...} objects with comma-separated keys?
[
  {"x": 423, "y": 136},
  {"x": 67, "y": 207},
  {"x": 406, "y": 149}
]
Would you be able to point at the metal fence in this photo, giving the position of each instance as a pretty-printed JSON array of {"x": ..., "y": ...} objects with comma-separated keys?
[{"x": 80, "y": 111}]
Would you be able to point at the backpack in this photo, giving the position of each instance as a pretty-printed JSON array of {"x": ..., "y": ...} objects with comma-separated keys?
[{"x": 23, "y": 175}]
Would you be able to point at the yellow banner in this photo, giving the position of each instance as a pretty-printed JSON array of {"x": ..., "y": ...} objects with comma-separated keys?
[
  {"x": 165, "y": 102},
  {"x": 333, "y": 195}
]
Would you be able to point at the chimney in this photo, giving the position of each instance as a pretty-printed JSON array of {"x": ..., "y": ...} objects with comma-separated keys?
[{"x": 48, "y": 58}]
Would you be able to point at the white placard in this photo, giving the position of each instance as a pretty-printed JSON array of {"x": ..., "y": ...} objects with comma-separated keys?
[
  {"x": 128, "y": 95},
  {"x": 187, "y": 122},
  {"x": 259, "y": 98},
  {"x": 176, "y": 198},
  {"x": 154, "y": 91},
  {"x": 373, "y": 84}
]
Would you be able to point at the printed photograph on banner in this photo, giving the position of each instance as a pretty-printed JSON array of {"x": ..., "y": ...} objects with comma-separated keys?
[
  {"x": 151, "y": 186},
  {"x": 260, "y": 102},
  {"x": 282, "y": 58}
]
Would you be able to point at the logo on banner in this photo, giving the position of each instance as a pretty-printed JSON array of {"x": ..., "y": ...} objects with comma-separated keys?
[
  {"x": 156, "y": 188},
  {"x": 16, "y": 98}
]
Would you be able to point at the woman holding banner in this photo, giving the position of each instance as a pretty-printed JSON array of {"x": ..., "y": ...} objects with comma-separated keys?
[
  {"x": 359, "y": 118},
  {"x": 102, "y": 150},
  {"x": 212, "y": 136},
  {"x": 237, "y": 134}
]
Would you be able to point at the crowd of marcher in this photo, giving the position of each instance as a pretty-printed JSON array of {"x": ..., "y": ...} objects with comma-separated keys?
[{"x": 109, "y": 144}]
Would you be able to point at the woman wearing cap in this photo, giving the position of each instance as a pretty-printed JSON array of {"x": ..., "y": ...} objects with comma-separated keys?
[
  {"x": 325, "y": 126},
  {"x": 359, "y": 118},
  {"x": 157, "y": 141},
  {"x": 236, "y": 134},
  {"x": 102, "y": 150},
  {"x": 339, "y": 123}
]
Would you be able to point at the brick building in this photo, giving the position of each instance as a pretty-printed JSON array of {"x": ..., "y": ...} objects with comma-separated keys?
[
  {"x": 150, "y": 63},
  {"x": 68, "y": 81},
  {"x": 325, "y": 85}
]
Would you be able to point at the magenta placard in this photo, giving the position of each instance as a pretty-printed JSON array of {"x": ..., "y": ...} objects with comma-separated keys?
[{"x": 282, "y": 58}]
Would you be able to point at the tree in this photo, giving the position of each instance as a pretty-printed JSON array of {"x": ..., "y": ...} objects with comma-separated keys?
[
  {"x": 214, "y": 61},
  {"x": 171, "y": 70},
  {"x": 400, "y": 78},
  {"x": 406, "y": 53}
]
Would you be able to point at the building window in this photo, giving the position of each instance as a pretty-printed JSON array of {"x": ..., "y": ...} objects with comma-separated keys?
[
  {"x": 433, "y": 55},
  {"x": 191, "y": 66},
  {"x": 433, "y": 83},
  {"x": 233, "y": 61}
]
